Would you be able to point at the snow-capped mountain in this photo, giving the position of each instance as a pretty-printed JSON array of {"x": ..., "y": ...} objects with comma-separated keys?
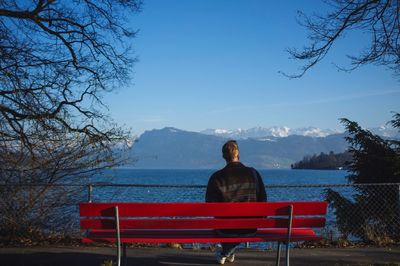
[
  {"x": 386, "y": 131},
  {"x": 262, "y": 132},
  {"x": 171, "y": 148},
  {"x": 313, "y": 132},
  {"x": 275, "y": 147}
]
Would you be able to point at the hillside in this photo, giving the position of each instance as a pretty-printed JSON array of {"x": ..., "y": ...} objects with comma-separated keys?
[
  {"x": 324, "y": 161},
  {"x": 171, "y": 148}
]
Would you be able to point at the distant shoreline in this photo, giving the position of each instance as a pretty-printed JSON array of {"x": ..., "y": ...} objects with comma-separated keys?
[{"x": 210, "y": 169}]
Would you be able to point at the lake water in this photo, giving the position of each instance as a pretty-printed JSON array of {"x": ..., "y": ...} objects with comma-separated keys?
[{"x": 281, "y": 185}]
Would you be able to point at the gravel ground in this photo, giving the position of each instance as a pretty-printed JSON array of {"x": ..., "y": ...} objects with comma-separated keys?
[{"x": 68, "y": 256}]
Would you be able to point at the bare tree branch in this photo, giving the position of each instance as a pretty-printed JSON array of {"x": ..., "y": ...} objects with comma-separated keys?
[
  {"x": 378, "y": 18},
  {"x": 57, "y": 58}
]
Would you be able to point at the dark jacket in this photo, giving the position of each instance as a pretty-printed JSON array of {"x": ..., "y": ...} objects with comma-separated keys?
[{"x": 236, "y": 183}]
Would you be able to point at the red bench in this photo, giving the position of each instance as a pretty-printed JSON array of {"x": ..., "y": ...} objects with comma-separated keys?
[{"x": 122, "y": 223}]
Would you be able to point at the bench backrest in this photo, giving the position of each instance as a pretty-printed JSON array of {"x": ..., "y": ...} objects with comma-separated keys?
[{"x": 202, "y": 215}]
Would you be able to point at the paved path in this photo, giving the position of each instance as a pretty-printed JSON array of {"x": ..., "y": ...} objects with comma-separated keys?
[{"x": 88, "y": 256}]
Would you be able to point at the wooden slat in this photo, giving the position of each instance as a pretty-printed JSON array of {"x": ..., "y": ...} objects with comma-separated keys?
[
  {"x": 201, "y": 223},
  {"x": 204, "y": 236},
  {"x": 202, "y": 209}
]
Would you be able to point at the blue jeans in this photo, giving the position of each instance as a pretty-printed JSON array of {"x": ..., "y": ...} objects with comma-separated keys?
[{"x": 229, "y": 248}]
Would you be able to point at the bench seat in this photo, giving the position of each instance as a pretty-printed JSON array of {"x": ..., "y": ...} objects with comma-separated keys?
[
  {"x": 197, "y": 236},
  {"x": 194, "y": 222}
]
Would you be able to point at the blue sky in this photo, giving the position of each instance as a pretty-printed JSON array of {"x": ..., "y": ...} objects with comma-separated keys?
[{"x": 215, "y": 64}]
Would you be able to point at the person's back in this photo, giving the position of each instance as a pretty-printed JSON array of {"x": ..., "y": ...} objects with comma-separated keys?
[{"x": 234, "y": 183}]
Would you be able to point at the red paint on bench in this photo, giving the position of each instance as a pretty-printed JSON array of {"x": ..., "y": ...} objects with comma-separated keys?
[
  {"x": 195, "y": 222},
  {"x": 197, "y": 236},
  {"x": 202, "y": 209}
]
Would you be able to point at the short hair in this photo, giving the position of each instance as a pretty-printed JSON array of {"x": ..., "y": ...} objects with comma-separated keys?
[{"x": 230, "y": 150}]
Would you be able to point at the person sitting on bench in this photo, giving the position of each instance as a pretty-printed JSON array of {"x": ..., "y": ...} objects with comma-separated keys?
[{"x": 234, "y": 183}]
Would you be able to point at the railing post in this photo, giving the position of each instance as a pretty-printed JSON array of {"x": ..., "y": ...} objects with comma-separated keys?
[{"x": 90, "y": 190}]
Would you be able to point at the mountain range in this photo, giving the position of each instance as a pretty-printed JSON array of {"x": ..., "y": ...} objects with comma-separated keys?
[
  {"x": 172, "y": 148},
  {"x": 274, "y": 147},
  {"x": 283, "y": 131},
  {"x": 261, "y": 132}
]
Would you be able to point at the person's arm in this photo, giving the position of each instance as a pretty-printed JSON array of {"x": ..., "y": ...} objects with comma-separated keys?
[
  {"x": 262, "y": 194},
  {"x": 212, "y": 193}
]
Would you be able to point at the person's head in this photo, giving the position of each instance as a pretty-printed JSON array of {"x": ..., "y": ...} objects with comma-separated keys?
[{"x": 230, "y": 151}]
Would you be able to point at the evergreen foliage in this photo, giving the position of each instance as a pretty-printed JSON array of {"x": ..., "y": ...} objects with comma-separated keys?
[
  {"x": 375, "y": 160},
  {"x": 324, "y": 161}
]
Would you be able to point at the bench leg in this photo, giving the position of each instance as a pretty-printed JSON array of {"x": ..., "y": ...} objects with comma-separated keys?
[
  {"x": 278, "y": 254},
  {"x": 118, "y": 236},
  {"x": 287, "y": 254},
  {"x": 118, "y": 254},
  {"x": 122, "y": 261}
]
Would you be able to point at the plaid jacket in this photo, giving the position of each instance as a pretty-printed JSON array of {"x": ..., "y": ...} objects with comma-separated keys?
[{"x": 236, "y": 183}]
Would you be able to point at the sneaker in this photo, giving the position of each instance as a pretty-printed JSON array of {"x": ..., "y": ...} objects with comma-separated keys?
[
  {"x": 231, "y": 258},
  {"x": 220, "y": 258}
]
